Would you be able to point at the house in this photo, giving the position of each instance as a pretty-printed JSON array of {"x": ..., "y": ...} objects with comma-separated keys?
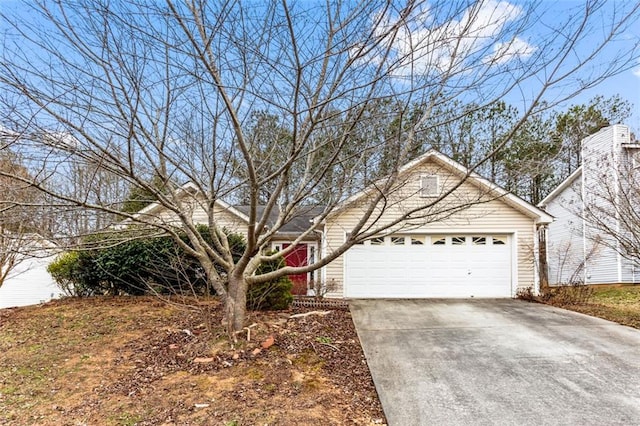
[
  {"x": 591, "y": 209},
  {"x": 479, "y": 241},
  {"x": 29, "y": 283}
]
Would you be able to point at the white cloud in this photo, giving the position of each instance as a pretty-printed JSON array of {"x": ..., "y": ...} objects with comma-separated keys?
[
  {"x": 424, "y": 45},
  {"x": 636, "y": 71},
  {"x": 505, "y": 52}
]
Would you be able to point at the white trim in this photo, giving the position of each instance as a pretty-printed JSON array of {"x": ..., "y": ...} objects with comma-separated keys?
[
  {"x": 185, "y": 189},
  {"x": 583, "y": 194},
  {"x": 345, "y": 266},
  {"x": 536, "y": 260},
  {"x": 280, "y": 242},
  {"x": 518, "y": 203},
  {"x": 560, "y": 188},
  {"x": 515, "y": 263}
]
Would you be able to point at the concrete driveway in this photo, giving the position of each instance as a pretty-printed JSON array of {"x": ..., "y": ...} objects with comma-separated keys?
[{"x": 498, "y": 362}]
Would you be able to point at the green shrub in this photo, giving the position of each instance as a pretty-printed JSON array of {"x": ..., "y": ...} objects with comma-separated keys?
[
  {"x": 135, "y": 265},
  {"x": 272, "y": 295},
  {"x": 65, "y": 270}
]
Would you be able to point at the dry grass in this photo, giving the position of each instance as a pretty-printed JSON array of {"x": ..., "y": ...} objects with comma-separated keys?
[
  {"x": 620, "y": 304},
  {"x": 127, "y": 361}
]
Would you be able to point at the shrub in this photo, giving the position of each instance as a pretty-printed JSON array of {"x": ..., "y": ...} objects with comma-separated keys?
[
  {"x": 66, "y": 270},
  {"x": 272, "y": 295},
  {"x": 134, "y": 265},
  {"x": 576, "y": 293}
]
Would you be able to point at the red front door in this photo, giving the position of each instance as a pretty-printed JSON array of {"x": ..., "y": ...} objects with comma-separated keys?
[{"x": 298, "y": 257}]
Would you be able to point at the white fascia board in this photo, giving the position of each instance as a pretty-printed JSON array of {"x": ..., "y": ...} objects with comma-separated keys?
[
  {"x": 188, "y": 187},
  {"x": 518, "y": 203},
  {"x": 560, "y": 188}
]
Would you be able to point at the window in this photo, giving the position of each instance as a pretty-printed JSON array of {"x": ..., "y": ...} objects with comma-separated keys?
[
  {"x": 635, "y": 159},
  {"x": 429, "y": 186},
  {"x": 377, "y": 241},
  {"x": 438, "y": 241},
  {"x": 458, "y": 241},
  {"x": 417, "y": 241},
  {"x": 397, "y": 241},
  {"x": 479, "y": 241},
  {"x": 499, "y": 241}
]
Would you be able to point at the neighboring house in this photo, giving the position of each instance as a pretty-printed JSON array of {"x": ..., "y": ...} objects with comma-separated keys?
[
  {"x": 579, "y": 248},
  {"x": 488, "y": 249},
  {"x": 29, "y": 283}
]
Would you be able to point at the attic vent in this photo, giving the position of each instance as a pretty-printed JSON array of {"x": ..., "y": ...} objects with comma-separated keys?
[{"x": 429, "y": 186}]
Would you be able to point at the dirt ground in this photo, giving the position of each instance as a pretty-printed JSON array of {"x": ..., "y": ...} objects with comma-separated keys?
[{"x": 139, "y": 361}]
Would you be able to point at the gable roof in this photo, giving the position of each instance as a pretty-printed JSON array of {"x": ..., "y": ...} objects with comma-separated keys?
[
  {"x": 297, "y": 224},
  {"x": 540, "y": 216},
  {"x": 188, "y": 188},
  {"x": 560, "y": 188}
]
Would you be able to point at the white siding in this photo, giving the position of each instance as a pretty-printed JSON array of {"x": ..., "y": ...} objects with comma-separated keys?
[
  {"x": 576, "y": 246},
  {"x": 565, "y": 248},
  {"x": 29, "y": 284},
  {"x": 601, "y": 156},
  {"x": 630, "y": 271},
  {"x": 223, "y": 218}
]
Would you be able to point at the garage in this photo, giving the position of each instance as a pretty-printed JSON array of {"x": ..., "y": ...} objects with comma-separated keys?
[{"x": 424, "y": 266}]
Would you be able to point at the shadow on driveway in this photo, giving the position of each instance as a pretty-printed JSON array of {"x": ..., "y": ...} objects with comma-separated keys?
[{"x": 505, "y": 362}]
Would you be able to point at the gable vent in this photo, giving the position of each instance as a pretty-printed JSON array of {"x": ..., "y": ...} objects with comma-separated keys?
[{"x": 429, "y": 186}]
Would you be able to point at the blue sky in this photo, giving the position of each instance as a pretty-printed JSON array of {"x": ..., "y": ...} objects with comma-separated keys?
[{"x": 626, "y": 84}]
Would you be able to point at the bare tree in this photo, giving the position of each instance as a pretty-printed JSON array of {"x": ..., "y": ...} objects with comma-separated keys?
[
  {"x": 612, "y": 205},
  {"x": 21, "y": 220},
  {"x": 147, "y": 91}
]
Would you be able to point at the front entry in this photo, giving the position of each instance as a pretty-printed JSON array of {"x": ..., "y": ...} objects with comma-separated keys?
[{"x": 298, "y": 257}]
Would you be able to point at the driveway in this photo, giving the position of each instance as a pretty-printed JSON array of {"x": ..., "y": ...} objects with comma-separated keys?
[{"x": 498, "y": 362}]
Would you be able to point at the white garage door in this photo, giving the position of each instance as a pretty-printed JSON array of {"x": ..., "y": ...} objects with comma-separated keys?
[{"x": 430, "y": 266}]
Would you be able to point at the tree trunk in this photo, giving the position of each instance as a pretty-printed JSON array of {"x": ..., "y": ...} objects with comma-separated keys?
[{"x": 235, "y": 304}]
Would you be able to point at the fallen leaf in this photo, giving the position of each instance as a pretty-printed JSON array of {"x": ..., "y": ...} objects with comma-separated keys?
[{"x": 268, "y": 343}]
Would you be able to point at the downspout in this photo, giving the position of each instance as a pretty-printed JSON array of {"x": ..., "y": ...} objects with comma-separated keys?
[{"x": 585, "y": 171}]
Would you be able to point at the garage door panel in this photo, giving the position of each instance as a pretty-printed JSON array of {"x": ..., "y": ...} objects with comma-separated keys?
[{"x": 417, "y": 271}]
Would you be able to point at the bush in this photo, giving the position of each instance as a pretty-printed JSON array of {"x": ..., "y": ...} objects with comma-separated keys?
[
  {"x": 134, "y": 265},
  {"x": 66, "y": 270},
  {"x": 272, "y": 295}
]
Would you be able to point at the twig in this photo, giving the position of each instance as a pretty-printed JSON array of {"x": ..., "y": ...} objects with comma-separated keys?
[
  {"x": 335, "y": 348},
  {"x": 306, "y": 314}
]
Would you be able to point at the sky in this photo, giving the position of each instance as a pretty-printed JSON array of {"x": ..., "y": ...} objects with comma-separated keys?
[
  {"x": 627, "y": 83},
  {"x": 499, "y": 14}
]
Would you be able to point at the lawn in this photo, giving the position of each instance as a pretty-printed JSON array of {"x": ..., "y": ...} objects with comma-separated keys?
[
  {"x": 619, "y": 304},
  {"x": 137, "y": 361}
]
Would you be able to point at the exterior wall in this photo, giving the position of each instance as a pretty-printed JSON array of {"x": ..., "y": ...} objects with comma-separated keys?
[
  {"x": 565, "y": 248},
  {"x": 630, "y": 272},
  {"x": 590, "y": 254},
  {"x": 29, "y": 284},
  {"x": 600, "y": 163},
  {"x": 223, "y": 217},
  {"x": 487, "y": 215}
]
